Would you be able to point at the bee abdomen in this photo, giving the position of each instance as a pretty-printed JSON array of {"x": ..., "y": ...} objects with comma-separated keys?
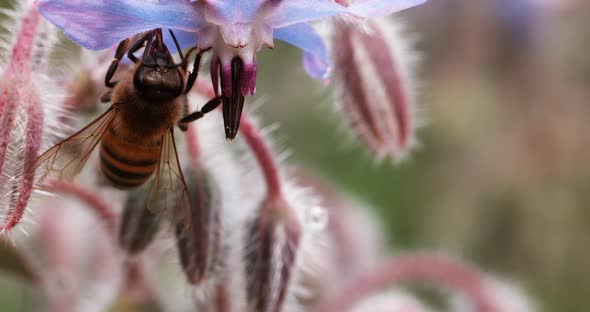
[{"x": 127, "y": 165}]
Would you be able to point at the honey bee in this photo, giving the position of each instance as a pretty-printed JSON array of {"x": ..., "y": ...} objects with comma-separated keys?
[{"x": 137, "y": 131}]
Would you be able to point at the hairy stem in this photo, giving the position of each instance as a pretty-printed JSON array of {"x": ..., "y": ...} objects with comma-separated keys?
[
  {"x": 99, "y": 207},
  {"x": 261, "y": 150},
  {"x": 192, "y": 138},
  {"x": 447, "y": 272}
]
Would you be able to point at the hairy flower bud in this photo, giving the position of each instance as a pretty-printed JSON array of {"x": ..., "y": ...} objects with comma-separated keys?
[
  {"x": 273, "y": 239},
  {"x": 139, "y": 225},
  {"x": 374, "y": 85},
  {"x": 23, "y": 116},
  {"x": 199, "y": 243},
  {"x": 81, "y": 266}
]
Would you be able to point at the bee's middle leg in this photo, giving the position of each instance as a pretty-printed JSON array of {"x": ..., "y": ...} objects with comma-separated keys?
[{"x": 209, "y": 106}]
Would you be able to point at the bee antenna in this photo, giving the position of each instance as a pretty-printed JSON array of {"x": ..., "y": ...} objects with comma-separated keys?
[{"x": 177, "y": 47}]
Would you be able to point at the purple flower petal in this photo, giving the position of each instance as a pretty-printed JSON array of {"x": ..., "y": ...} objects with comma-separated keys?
[
  {"x": 289, "y": 12},
  {"x": 101, "y": 24},
  {"x": 315, "y": 59},
  {"x": 376, "y": 8}
]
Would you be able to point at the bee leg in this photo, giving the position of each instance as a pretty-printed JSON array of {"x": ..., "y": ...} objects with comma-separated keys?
[
  {"x": 184, "y": 126},
  {"x": 115, "y": 63},
  {"x": 138, "y": 45},
  {"x": 106, "y": 97},
  {"x": 209, "y": 106},
  {"x": 195, "y": 72}
]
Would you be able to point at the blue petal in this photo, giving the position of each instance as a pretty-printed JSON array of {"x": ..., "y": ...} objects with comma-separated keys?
[
  {"x": 315, "y": 66},
  {"x": 315, "y": 59},
  {"x": 376, "y": 8},
  {"x": 185, "y": 40},
  {"x": 100, "y": 24},
  {"x": 290, "y": 12}
]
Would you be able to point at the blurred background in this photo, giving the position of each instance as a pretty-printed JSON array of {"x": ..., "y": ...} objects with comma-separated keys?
[{"x": 502, "y": 176}]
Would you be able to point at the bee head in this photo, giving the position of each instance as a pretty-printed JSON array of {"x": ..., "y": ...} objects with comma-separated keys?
[{"x": 157, "y": 76}]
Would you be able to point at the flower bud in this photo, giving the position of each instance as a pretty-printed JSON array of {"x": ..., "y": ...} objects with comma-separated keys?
[
  {"x": 199, "y": 243},
  {"x": 273, "y": 239},
  {"x": 23, "y": 116},
  {"x": 81, "y": 266},
  {"x": 374, "y": 85},
  {"x": 139, "y": 225},
  {"x": 350, "y": 244}
]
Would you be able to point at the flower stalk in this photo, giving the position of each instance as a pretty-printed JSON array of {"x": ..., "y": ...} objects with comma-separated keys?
[
  {"x": 97, "y": 205},
  {"x": 407, "y": 268}
]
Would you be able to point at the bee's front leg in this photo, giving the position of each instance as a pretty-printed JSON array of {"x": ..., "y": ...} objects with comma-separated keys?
[
  {"x": 115, "y": 63},
  {"x": 195, "y": 72}
]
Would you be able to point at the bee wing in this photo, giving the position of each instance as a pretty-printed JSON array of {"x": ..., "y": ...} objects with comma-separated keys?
[
  {"x": 168, "y": 192},
  {"x": 65, "y": 160}
]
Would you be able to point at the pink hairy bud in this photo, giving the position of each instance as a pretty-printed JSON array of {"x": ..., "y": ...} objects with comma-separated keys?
[
  {"x": 273, "y": 238},
  {"x": 374, "y": 87},
  {"x": 21, "y": 123}
]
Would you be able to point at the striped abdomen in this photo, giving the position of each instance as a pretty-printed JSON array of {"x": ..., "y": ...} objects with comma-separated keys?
[{"x": 128, "y": 163}]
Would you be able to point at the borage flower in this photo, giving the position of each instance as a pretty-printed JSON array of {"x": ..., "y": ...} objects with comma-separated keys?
[{"x": 233, "y": 29}]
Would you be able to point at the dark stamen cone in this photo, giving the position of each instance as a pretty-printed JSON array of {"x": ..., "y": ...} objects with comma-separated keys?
[
  {"x": 272, "y": 238},
  {"x": 139, "y": 225},
  {"x": 199, "y": 243},
  {"x": 232, "y": 96}
]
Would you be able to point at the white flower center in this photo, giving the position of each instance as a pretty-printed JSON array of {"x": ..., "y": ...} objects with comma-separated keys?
[{"x": 240, "y": 39}]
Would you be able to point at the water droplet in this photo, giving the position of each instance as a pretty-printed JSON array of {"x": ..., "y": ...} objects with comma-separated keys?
[{"x": 317, "y": 218}]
